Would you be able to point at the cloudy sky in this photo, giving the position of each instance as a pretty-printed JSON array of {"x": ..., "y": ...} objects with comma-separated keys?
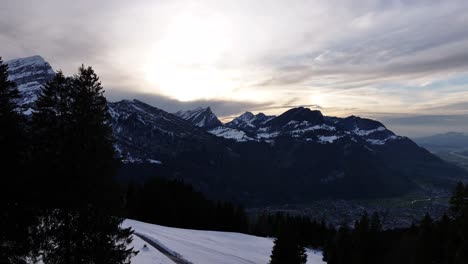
[{"x": 404, "y": 62}]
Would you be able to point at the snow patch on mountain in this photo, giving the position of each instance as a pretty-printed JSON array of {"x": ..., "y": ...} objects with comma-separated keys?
[
  {"x": 360, "y": 132},
  {"x": 306, "y": 128},
  {"x": 328, "y": 139},
  {"x": 382, "y": 141},
  {"x": 267, "y": 135},
  {"x": 230, "y": 133}
]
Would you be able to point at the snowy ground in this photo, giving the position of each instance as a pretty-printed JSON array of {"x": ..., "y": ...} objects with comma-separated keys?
[{"x": 204, "y": 247}]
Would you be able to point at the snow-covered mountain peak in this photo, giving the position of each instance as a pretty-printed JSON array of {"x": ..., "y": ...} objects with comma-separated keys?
[
  {"x": 245, "y": 116},
  {"x": 29, "y": 74},
  {"x": 200, "y": 117},
  {"x": 36, "y": 60}
]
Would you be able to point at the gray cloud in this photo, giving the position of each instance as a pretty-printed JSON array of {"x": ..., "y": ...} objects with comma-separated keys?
[
  {"x": 369, "y": 56},
  {"x": 221, "y": 108}
]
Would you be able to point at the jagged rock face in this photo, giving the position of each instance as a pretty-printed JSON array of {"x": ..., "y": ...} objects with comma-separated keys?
[
  {"x": 29, "y": 74},
  {"x": 200, "y": 117}
]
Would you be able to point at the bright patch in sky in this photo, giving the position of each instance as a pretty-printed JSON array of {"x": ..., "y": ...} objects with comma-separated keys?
[{"x": 183, "y": 63}]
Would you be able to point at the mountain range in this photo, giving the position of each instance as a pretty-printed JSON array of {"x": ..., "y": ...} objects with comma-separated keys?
[
  {"x": 450, "y": 141},
  {"x": 297, "y": 156}
]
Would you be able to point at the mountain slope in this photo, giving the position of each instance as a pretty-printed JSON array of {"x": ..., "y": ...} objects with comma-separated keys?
[{"x": 144, "y": 132}]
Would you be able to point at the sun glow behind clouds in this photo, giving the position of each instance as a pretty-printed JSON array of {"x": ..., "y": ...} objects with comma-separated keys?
[{"x": 183, "y": 63}]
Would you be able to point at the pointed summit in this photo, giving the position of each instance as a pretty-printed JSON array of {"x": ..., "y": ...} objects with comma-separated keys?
[
  {"x": 29, "y": 74},
  {"x": 200, "y": 117}
]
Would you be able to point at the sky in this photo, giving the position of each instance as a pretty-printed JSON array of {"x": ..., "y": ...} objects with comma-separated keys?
[{"x": 402, "y": 62}]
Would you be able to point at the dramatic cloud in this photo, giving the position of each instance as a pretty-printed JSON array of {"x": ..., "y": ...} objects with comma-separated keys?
[{"x": 378, "y": 58}]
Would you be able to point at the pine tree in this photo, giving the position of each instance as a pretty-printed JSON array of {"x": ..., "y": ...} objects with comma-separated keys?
[
  {"x": 425, "y": 247},
  {"x": 51, "y": 140},
  {"x": 73, "y": 134},
  {"x": 11, "y": 134},
  {"x": 15, "y": 217},
  {"x": 92, "y": 149},
  {"x": 361, "y": 240},
  {"x": 375, "y": 224},
  {"x": 457, "y": 201},
  {"x": 95, "y": 165},
  {"x": 339, "y": 248},
  {"x": 375, "y": 248},
  {"x": 288, "y": 250}
]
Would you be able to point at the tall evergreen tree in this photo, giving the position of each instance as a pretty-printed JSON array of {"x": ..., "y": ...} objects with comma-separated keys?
[
  {"x": 15, "y": 217},
  {"x": 73, "y": 135},
  {"x": 288, "y": 250},
  {"x": 51, "y": 141},
  {"x": 426, "y": 248},
  {"x": 457, "y": 201},
  {"x": 92, "y": 149},
  {"x": 95, "y": 165},
  {"x": 11, "y": 134},
  {"x": 361, "y": 240}
]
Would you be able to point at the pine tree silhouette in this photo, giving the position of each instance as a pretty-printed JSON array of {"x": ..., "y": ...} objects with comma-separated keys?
[
  {"x": 288, "y": 250},
  {"x": 75, "y": 147},
  {"x": 15, "y": 217}
]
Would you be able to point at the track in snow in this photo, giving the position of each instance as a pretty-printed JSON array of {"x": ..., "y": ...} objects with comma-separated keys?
[
  {"x": 210, "y": 247},
  {"x": 171, "y": 255}
]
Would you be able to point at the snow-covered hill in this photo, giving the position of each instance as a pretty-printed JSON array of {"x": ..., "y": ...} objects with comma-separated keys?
[{"x": 205, "y": 247}]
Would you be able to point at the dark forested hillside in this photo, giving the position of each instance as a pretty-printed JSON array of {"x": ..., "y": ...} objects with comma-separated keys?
[{"x": 174, "y": 203}]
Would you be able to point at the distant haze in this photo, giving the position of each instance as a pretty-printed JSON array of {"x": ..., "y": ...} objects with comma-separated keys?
[{"x": 402, "y": 62}]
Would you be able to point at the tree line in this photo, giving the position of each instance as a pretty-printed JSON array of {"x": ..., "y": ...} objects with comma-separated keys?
[
  {"x": 442, "y": 241},
  {"x": 172, "y": 202}
]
